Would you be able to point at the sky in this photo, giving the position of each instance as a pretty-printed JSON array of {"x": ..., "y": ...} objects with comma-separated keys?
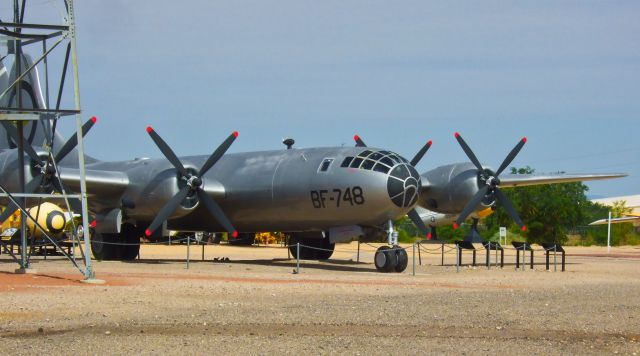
[{"x": 565, "y": 74}]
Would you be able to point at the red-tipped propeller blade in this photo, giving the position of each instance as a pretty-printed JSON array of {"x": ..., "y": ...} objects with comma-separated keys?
[
  {"x": 216, "y": 211},
  {"x": 468, "y": 151},
  {"x": 514, "y": 152},
  {"x": 359, "y": 142},
  {"x": 472, "y": 204},
  {"x": 219, "y": 152},
  {"x": 167, "y": 210},
  {"x": 72, "y": 142},
  {"x": 421, "y": 153},
  {"x": 167, "y": 151},
  {"x": 506, "y": 203}
]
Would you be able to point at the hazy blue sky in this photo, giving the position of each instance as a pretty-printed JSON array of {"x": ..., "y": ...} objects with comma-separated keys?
[{"x": 565, "y": 74}]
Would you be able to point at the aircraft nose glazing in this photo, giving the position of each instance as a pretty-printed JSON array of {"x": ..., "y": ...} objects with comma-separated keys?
[{"x": 403, "y": 185}]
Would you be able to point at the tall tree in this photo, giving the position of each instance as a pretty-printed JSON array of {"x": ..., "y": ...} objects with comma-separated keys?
[{"x": 549, "y": 211}]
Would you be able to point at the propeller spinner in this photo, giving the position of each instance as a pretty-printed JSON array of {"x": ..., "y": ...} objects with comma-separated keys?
[
  {"x": 491, "y": 184},
  {"x": 193, "y": 186}
]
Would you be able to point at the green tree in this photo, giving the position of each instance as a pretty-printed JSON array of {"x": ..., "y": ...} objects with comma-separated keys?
[{"x": 549, "y": 211}]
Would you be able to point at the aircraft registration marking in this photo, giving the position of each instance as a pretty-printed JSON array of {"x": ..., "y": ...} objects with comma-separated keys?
[{"x": 347, "y": 197}]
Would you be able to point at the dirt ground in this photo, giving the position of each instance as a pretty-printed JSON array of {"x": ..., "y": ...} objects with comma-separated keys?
[{"x": 247, "y": 300}]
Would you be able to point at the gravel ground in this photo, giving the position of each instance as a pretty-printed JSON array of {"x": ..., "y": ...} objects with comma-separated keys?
[{"x": 254, "y": 304}]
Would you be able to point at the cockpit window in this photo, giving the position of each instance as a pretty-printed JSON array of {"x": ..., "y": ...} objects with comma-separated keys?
[
  {"x": 356, "y": 163},
  {"x": 387, "y": 161},
  {"x": 379, "y": 161},
  {"x": 368, "y": 164},
  {"x": 326, "y": 163},
  {"x": 346, "y": 162},
  {"x": 381, "y": 168},
  {"x": 364, "y": 153}
]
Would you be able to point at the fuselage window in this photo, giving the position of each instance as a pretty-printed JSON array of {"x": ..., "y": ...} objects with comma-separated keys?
[
  {"x": 346, "y": 162},
  {"x": 326, "y": 163}
]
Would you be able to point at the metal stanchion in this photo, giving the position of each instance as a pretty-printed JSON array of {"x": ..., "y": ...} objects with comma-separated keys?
[
  {"x": 419, "y": 253},
  {"x": 203, "y": 243},
  {"x": 489, "y": 255},
  {"x": 457, "y": 258},
  {"x": 298, "y": 258},
  {"x": 442, "y": 251},
  {"x": 524, "y": 256},
  {"x": 188, "y": 250},
  {"x": 414, "y": 259},
  {"x": 555, "y": 266},
  {"x": 358, "y": 256}
]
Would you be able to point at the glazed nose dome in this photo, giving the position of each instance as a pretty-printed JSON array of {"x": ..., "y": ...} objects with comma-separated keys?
[{"x": 403, "y": 185}]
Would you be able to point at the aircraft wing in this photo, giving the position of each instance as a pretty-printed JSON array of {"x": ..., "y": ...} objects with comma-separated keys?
[
  {"x": 98, "y": 181},
  {"x": 626, "y": 219},
  {"x": 523, "y": 180}
]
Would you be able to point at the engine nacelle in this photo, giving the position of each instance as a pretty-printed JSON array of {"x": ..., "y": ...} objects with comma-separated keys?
[{"x": 447, "y": 189}]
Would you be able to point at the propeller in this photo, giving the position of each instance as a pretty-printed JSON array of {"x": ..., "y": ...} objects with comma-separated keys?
[
  {"x": 491, "y": 180},
  {"x": 413, "y": 214},
  {"x": 193, "y": 186},
  {"x": 44, "y": 171}
]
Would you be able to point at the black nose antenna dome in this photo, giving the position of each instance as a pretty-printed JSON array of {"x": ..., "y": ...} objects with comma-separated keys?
[{"x": 289, "y": 142}]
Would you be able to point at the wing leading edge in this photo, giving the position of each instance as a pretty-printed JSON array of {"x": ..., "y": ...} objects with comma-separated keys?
[
  {"x": 626, "y": 219},
  {"x": 524, "y": 180}
]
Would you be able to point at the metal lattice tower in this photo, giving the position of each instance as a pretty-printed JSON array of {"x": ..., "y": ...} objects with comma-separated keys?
[{"x": 48, "y": 41}]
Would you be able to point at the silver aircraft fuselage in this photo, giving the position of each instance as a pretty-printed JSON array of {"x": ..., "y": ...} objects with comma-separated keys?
[{"x": 284, "y": 190}]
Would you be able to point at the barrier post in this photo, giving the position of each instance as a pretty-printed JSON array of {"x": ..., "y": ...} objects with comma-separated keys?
[
  {"x": 298, "y": 258},
  {"x": 442, "y": 255},
  {"x": 457, "y": 258},
  {"x": 489, "y": 255},
  {"x": 555, "y": 266},
  {"x": 414, "y": 258},
  {"x": 524, "y": 256},
  {"x": 358, "y": 256},
  {"x": 420, "y": 253},
  {"x": 203, "y": 243},
  {"x": 188, "y": 250}
]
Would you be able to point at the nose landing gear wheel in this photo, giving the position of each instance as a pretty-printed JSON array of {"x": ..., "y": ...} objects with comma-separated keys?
[
  {"x": 403, "y": 259},
  {"x": 386, "y": 259}
]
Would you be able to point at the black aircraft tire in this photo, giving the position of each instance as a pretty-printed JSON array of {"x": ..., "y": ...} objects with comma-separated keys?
[
  {"x": 403, "y": 259},
  {"x": 111, "y": 248},
  {"x": 129, "y": 235},
  {"x": 327, "y": 249},
  {"x": 97, "y": 246},
  {"x": 385, "y": 259},
  {"x": 307, "y": 253},
  {"x": 103, "y": 247}
]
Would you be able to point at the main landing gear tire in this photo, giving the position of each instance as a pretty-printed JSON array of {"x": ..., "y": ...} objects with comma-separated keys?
[
  {"x": 131, "y": 248},
  {"x": 103, "y": 246},
  {"x": 124, "y": 246},
  {"x": 391, "y": 259},
  {"x": 311, "y": 253}
]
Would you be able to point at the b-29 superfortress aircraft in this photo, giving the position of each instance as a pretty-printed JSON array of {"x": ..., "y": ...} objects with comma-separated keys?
[{"x": 318, "y": 196}]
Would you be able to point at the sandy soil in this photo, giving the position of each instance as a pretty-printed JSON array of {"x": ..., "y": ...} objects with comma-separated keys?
[{"x": 252, "y": 303}]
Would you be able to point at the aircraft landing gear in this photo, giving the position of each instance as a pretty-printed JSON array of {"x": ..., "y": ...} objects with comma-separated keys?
[{"x": 394, "y": 258}]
